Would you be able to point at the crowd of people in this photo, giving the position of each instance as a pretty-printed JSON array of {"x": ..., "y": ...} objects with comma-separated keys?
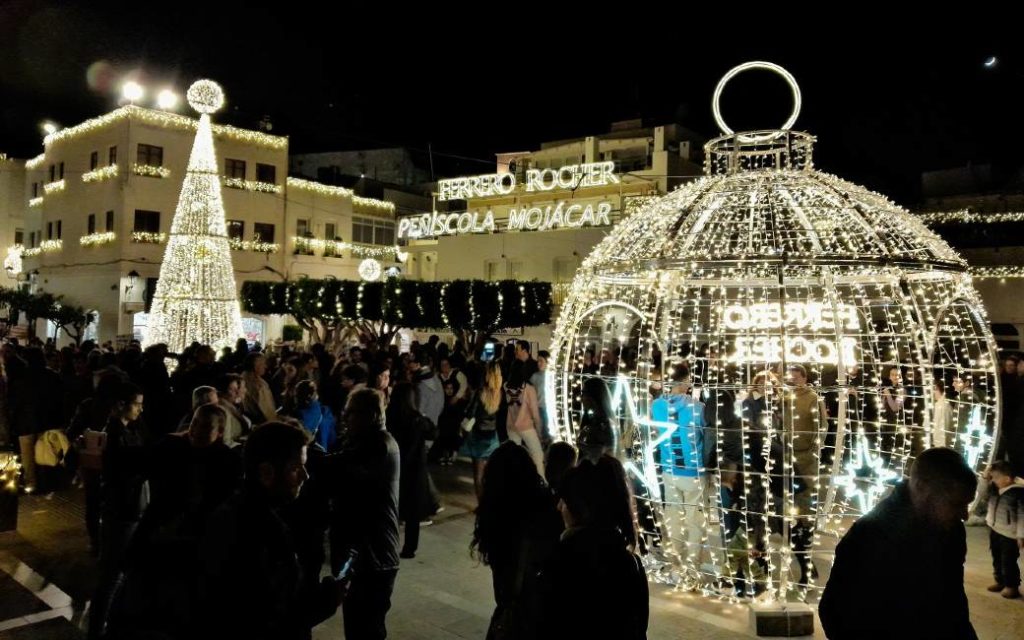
[
  {"x": 275, "y": 485},
  {"x": 254, "y": 493}
]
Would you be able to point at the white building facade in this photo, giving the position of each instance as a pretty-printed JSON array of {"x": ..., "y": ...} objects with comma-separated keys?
[{"x": 98, "y": 202}]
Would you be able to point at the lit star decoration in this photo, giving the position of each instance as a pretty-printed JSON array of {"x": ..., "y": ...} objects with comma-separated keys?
[
  {"x": 866, "y": 475},
  {"x": 196, "y": 298},
  {"x": 664, "y": 430},
  {"x": 975, "y": 439}
]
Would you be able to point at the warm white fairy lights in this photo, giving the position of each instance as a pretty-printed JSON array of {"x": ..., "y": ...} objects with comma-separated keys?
[
  {"x": 10, "y": 469},
  {"x": 100, "y": 174},
  {"x": 13, "y": 262},
  {"x": 319, "y": 189},
  {"x": 196, "y": 298},
  {"x": 363, "y": 205},
  {"x": 36, "y": 163},
  {"x": 1000, "y": 272},
  {"x": 51, "y": 188},
  {"x": 335, "y": 248},
  {"x": 97, "y": 239},
  {"x": 148, "y": 237},
  {"x": 253, "y": 245},
  {"x": 763, "y": 270},
  {"x": 964, "y": 216},
  {"x": 150, "y": 171},
  {"x": 251, "y": 185},
  {"x": 35, "y": 202},
  {"x": 46, "y": 246},
  {"x": 162, "y": 120}
]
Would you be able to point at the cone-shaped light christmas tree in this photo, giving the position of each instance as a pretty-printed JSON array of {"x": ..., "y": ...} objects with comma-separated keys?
[{"x": 196, "y": 299}]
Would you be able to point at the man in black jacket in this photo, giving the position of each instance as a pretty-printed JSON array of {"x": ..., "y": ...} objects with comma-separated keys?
[
  {"x": 899, "y": 571},
  {"x": 253, "y": 581},
  {"x": 365, "y": 514}
]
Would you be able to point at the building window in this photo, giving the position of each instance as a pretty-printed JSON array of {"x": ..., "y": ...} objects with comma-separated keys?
[
  {"x": 148, "y": 221},
  {"x": 515, "y": 269},
  {"x": 150, "y": 155},
  {"x": 112, "y": 155},
  {"x": 94, "y": 160},
  {"x": 236, "y": 229},
  {"x": 61, "y": 177},
  {"x": 263, "y": 232},
  {"x": 49, "y": 231},
  {"x": 302, "y": 228},
  {"x": 493, "y": 270},
  {"x": 266, "y": 173},
  {"x": 35, "y": 189},
  {"x": 92, "y": 224},
  {"x": 373, "y": 231},
  {"x": 565, "y": 269},
  {"x": 330, "y": 232},
  {"x": 110, "y": 221},
  {"x": 234, "y": 168},
  {"x": 53, "y": 173},
  {"x": 19, "y": 236},
  {"x": 59, "y": 227}
]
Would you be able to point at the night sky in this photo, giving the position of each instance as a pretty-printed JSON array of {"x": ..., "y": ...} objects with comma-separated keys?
[{"x": 885, "y": 105}]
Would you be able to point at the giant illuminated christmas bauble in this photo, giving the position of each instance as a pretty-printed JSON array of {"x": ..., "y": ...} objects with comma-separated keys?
[{"x": 756, "y": 276}]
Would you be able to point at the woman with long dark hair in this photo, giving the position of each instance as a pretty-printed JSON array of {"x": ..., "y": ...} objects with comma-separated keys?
[
  {"x": 593, "y": 570},
  {"x": 516, "y": 528},
  {"x": 410, "y": 429},
  {"x": 598, "y": 434}
]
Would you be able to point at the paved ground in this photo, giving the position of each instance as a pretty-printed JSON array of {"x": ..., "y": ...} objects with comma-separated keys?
[{"x": 46, "y": 579}]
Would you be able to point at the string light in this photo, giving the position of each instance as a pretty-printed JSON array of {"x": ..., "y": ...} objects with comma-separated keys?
[
  {"x": 319, "y": 189},
  {"x": 100, "y": 174},
  {"x": 36, "y": 202},
  {"x": 763, "y": 263},
  {"x": 371, "y": 204},
  {"x": 253, "y": 245},
  {"x": 10, "y": 468},
  {"x": 151, "y": 171},
  {"x": 163, "y": 120},
  {"x": 964, "y": 216},
  {"x": 250, "y": 185},
  {"x": 1000, "y": 272},
  {"x": 36, "y": 162},
  {"x": 196, "y": 298},
  {"x": 336, "y": 247},
  {"x": 13, "y": 263},
  {"x": 148, "y": 237},
  {"x": 96, "y": 239},
  {"x": 361, "y": 205},
  {"x": 51, "y": 188},
  {"x": 46, "y": 246}
]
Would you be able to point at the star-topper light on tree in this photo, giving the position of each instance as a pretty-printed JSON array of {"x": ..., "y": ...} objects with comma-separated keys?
[{"x": 196, "y": 299}]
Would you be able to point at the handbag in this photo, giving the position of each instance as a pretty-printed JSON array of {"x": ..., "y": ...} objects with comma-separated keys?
[{"x": 470, "y": 417}]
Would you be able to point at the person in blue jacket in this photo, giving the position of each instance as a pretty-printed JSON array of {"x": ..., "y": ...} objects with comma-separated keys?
[
  {"x": 681, "y": 466},
  {"x": 315, "y": 417}
]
